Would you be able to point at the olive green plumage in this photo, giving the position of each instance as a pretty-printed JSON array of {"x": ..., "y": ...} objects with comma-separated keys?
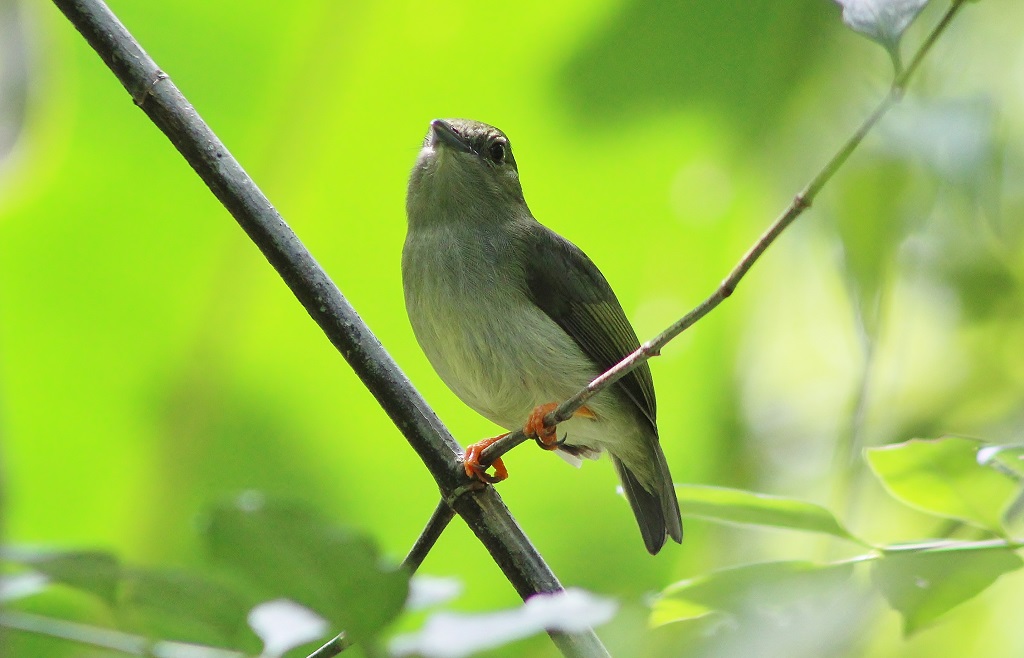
[{"x": 512, "y": 315}]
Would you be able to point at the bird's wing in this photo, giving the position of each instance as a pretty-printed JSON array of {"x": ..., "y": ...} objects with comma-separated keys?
[{"x": 564, "y": 283}]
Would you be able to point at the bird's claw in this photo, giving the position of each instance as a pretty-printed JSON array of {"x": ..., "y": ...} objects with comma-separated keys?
[
  {"x": 474, "y": 469},
  {"x": 552, "y": 446},
  {"x": 538, "y": 430}
]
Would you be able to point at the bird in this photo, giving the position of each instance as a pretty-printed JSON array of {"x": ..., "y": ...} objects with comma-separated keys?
[{"x": 514, "y": 318}]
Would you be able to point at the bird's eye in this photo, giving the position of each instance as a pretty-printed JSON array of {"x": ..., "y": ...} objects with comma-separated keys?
[{"x": 496, "y": 151}]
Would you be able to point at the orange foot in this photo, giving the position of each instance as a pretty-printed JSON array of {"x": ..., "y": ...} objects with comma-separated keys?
[
  {"x": 538, "y": 430},
  {"x": 474, "y": 469}
]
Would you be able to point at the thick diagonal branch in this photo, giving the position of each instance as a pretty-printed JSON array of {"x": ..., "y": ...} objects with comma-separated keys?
[{"x": 483, "y": 510}]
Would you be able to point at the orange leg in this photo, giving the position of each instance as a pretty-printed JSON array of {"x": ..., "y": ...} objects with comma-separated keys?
[
  {"x": 535, "y": 427},
  {"x": 474, "y": 469}
]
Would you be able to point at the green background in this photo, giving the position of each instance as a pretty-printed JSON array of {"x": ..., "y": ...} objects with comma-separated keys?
[{"x": 152, "y": 363}]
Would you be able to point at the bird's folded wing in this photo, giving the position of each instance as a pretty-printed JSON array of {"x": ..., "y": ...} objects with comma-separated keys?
[{"x": 564, "y": 283}]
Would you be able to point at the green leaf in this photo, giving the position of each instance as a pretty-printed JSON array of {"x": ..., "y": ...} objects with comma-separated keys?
[
  {"x": 923, "y": 585},
  {"x": 286, "y": 551},
  {"x": 739, "y": 506},
  {"x": 667, "y": 609},
  {"x": 751, "y": 587},
  {"x": 187, "y": 607},
  {"x": 943, "y": 477},
  {"x": 170, "y": 604},
  {"x": 96, "y": 572}
]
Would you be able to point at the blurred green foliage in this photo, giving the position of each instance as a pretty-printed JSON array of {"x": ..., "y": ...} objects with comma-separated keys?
[{"x": 151, "y": 363}]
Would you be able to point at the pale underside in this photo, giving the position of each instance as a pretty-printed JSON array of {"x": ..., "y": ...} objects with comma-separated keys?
[{"x": 503, "y": 365}]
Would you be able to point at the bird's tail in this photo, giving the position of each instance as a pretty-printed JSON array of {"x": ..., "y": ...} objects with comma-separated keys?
[{"x": 657, "y": 511}]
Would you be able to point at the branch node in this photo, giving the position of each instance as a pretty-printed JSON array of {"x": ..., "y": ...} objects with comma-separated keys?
[
  {"x": 470, "y": 487},
  {"x": 801, "y": 202},
  {"x": 140, "y": 95}
]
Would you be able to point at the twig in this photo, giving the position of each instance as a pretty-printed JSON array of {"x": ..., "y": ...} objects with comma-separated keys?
[
  {"x": 801, "y": 202},
  {"x": 438, "y": 521},
  {"x": 333, "y": 647},
  {"x": 436, "y": 524},
  {"x": 105, "y": 638},
  {"x": 484, "y": 512}
]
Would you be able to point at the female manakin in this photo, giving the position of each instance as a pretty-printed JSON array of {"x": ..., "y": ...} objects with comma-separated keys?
[{"x": 515, "y": 318}]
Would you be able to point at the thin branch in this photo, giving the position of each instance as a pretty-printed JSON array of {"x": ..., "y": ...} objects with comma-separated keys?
[
  {"x": 441, "y": 516},
  {"x": 438, "y": 521},
  {"x": 800, "y": 202},
  {"x": 436, "y": 524},
  {"x": 333, "y": 647},
  {"x": 104, "y": 638},
  {"x": 483, "y": 510}
]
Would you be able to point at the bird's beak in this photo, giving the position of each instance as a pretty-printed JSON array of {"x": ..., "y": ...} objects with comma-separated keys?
[{"x": 443, "y": 133}]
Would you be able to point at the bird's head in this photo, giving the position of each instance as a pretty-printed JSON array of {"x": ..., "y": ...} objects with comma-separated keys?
[{"x": 465, "y": 172}]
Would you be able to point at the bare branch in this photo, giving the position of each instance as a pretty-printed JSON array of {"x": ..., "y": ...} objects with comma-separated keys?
[
  {"x": 801, "y": 202},
  {"x": 333, "y": 647},
  {"x": 428, "y": 537},
  {"x": 105, "y": 638},
  {"x": 482, "y": 509}
]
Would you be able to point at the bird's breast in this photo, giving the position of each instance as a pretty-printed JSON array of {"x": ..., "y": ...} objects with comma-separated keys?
[{"x": 489, "y": 343}]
